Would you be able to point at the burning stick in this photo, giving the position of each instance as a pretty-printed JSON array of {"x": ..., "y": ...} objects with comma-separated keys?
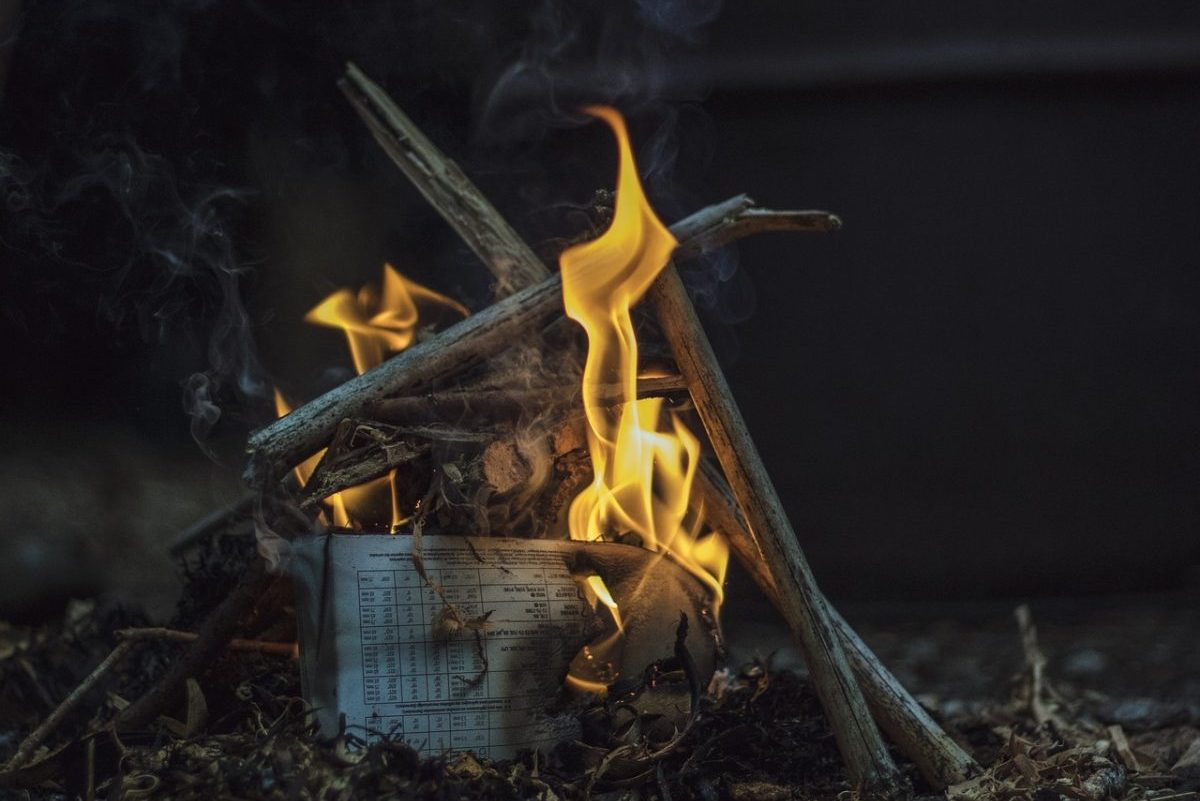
[
  {"x": 443, "y": 184},
  {"x": 278, "y": 447},
  {"x": 454, "y": 405},
  {"x": 941, "y": 761},
  {"x": 348, "y": 463},
  {"x": 867, "y": 760}
]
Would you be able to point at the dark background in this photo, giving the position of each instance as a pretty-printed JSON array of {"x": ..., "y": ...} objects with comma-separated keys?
[{"x": 986, "y": 385}]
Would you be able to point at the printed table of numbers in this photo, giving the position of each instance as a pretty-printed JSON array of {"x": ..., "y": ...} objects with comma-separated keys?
[{"x": 441, "y": 687}]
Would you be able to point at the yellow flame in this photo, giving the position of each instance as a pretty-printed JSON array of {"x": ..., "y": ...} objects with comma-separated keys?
[
  {"x": 377, "y": 322},
  {"x": 597, "y": 585},
  {"x": 643, "y": 470}
]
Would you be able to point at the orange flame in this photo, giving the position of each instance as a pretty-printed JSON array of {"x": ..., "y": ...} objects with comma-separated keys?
[
  {"x": 643, "y": 470},
  {"x": 376, "y": 323}
]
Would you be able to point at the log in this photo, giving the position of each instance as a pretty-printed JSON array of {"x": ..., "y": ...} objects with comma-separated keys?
[
  {"x": 491, "y": 404},
  {"x": 276, "y": 448},
  {"x": 445, "y": 186},
  {"x": 868, "y": 763},
  {"x": 918, "y": 736}
]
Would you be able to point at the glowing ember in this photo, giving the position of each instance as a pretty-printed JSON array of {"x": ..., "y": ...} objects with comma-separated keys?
[
  {"x": 643, "y": 467},
  {"x": 377, "y": 323}
]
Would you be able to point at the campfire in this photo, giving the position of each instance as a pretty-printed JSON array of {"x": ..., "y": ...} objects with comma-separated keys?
[
  {"x": 649, "y": 482},
  {"x": 507, "y": 535}
]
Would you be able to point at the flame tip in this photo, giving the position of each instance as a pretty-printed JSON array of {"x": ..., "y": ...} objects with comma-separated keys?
[{"x": 643, "y": 467}]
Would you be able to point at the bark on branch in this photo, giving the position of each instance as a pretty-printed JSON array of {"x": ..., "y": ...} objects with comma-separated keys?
[
  {"x": 445, "y": 186},
  {"x": 868, "y": 762},
  {"x": 939, "y": 758}
]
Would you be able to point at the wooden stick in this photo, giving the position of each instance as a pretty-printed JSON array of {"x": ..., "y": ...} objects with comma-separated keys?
[
  {"x": 210, "y": 641},
  {"x": 939, "y": 758},
  {"x": 287, "y": 441},
  {"x": 489, "y": 404},
  {"x": 344, "y": 466},
  {"x": 276, "y": 448},
  {"x": 36, "y": 737},
  {"x": 445, "y": 186},
  {"x": 868, "y": 763},
  {"x": 749, "y": 221},
  {"x": 288, "y": 649}
]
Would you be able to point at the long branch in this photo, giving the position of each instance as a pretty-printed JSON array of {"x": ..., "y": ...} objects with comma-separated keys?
[
  {"x": 445, "y": 186},
  {"x": 867, "y": 760},
  {"x": 940, "y": 759}
]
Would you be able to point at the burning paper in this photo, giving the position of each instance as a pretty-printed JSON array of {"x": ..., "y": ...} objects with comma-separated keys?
[
  {"x": 463, "y": 644},
  {"x": 464, "y": 657}
]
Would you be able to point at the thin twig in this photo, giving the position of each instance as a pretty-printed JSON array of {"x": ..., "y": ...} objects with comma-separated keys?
[
  {"x": 749, "y": 221},
  {"x": 288, "y": 649},
  {"x": 47, "y": 726}
]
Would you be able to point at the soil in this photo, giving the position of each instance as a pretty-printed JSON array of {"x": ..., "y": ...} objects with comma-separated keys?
[{"x": 1115, "y": 717}]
